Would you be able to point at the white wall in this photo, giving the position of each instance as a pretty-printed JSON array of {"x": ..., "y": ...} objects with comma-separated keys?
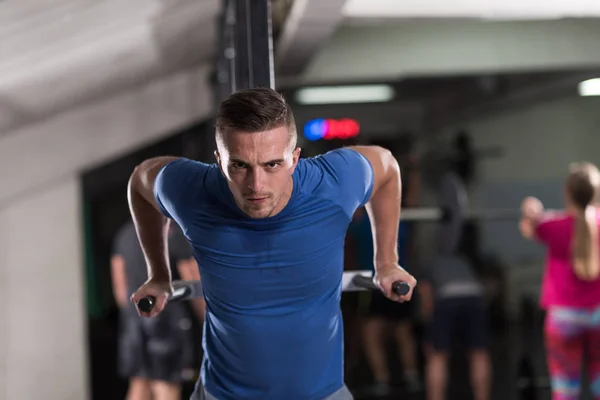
[
  {"x": 540, "y": 140},
  {"x": 44, "y": 299},
  {"x": 43, "y": 344},
  {"x": 444, "y": 47}
]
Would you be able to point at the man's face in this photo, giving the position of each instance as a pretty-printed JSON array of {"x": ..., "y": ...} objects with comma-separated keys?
[{"x": 258, "y": 168}]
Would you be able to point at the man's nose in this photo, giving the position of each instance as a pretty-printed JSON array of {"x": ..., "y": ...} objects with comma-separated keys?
[{"x": 255, "y": 179}]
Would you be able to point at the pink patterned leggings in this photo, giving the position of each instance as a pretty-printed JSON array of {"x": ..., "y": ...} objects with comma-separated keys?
[{"x": 572, "y": 337}]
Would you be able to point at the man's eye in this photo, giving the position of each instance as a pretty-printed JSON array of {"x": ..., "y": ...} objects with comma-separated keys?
[
  {"x": 238, "y": 165},
  {"x": 273, "y": 165}
]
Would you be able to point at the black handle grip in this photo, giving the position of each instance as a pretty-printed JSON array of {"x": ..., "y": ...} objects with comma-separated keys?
[
  {"x": 182, "y": 290},
  {"x": 146, "y": 304},
  {"x": 400, "y": 288}
]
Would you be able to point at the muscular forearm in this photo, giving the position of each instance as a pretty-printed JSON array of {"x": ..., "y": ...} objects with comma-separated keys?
[
  {"x": 384, "y": 213},
  {"x": 151, "y": 225}
]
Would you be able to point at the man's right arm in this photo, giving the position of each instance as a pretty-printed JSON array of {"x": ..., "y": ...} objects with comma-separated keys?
[
  {"x": 161, "y": 189},
  {"x": 152, "y": 229},
  {"x": 151, "y": 225}
]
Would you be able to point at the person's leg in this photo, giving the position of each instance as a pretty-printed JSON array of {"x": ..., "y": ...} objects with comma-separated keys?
[
  {"x": 168, "y": 342},
  {"x": 165, "y": 390},
  {"x": 564, "y": 352},
  {"x": 374, "y": 339},
  {"x": 439, "y": 337},
  {"x": 436, "y": 374},
  {"x": 592, "y": 350},
  {"x": 353, "y": 322},
  {"x": 131, "y": 356},
  {"x": 139, "y": 389},
  {"x": 481, "y": 373},
  {"x": 403, "y": 332},
  {"x": 477, "y": 339}
]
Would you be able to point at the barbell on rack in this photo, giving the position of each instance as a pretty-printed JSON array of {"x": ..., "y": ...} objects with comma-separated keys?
[{"x": 438, "y": 214}]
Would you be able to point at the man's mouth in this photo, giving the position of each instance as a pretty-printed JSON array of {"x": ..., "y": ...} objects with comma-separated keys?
[{"x": 257, "y": 199}]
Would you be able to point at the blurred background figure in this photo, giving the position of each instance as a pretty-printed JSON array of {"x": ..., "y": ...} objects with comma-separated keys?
[
  {"x": 571, "y": 284},
  {"x": 381, "y": 314},
  {"x": 454, "y": 310},
  {"x": 155, "y": 354},
  {"x": 452, "y": 297}
]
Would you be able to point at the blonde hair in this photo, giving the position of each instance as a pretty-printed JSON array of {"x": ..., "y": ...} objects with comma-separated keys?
[{"x": 583, "y": 184}]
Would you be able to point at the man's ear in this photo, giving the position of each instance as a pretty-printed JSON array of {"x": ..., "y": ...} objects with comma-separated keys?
[
  {"x": 218, "y": 158},
  {"x": 296, "y": 156}
]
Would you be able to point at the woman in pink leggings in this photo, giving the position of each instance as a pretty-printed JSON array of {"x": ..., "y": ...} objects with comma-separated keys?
[{"x": 571, "y": 283}]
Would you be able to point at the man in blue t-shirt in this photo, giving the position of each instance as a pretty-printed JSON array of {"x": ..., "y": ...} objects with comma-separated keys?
[{"x": 267, "y": 230}]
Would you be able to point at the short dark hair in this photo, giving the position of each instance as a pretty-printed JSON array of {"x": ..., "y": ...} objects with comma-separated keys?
[{"x": 255, "y": 110}]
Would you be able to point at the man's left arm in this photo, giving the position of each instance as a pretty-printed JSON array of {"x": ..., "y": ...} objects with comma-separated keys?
[{"x": 384, "y": 212}]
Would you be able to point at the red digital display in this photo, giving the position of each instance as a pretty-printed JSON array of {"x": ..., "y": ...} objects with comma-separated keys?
[{"x": 328, "y": 129}]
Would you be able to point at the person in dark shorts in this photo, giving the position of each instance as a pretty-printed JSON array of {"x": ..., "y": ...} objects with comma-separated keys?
[
  {"x": 383, "y": 312},
  {"x": 455, "y": 311},
  {"x": 154, "y": 353},
  {"x": 452, "y": 300}
]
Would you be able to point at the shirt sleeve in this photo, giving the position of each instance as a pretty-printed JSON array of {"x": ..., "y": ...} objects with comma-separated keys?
[
  {"x": 179, "y": 186},
  {"x": 543, "y": 230},
  {"x": 348, "y": 177}
]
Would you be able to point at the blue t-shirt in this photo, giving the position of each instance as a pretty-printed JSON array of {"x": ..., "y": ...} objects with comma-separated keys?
[
  {"x": 360, "y": 231},
  {"x": 273, "y": 327}
]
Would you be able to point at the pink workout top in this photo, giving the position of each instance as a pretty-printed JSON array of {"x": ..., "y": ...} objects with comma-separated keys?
[{"x": 560, "y": 286}]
